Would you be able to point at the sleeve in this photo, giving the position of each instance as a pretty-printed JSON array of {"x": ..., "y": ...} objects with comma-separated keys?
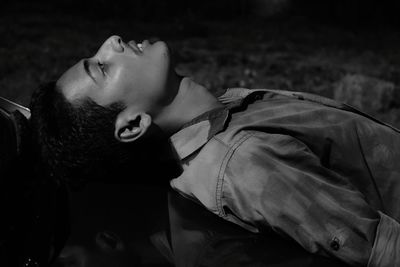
[{"x": 274, "y": 181}]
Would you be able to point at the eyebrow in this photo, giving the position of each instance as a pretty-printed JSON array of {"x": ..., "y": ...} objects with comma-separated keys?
[{"x": 87, "y": 70}]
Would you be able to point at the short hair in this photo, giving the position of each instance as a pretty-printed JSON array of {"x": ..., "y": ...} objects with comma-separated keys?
[{"x": 76, "y": 141}]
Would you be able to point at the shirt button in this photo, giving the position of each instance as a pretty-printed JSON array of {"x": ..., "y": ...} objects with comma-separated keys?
[{"x": 335, "y": 245}]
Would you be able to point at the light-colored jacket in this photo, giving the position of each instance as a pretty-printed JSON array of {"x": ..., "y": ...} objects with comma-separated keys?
[{"x": 307, "y": 167}]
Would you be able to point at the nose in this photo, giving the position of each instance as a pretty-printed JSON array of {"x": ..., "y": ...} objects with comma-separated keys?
[{"x": 112, "y": 44}]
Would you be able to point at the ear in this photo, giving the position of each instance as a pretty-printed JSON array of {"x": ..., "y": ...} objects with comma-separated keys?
[{"x": 130, "y": 126}]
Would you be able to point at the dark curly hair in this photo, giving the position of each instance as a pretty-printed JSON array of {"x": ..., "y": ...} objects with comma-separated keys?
[
  {"x": 75, "y": 140},
  {"x": 75, "y": 143}
]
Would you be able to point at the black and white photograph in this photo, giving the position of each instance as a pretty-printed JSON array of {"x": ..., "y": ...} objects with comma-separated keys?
[{"x": 213, "y": 133}]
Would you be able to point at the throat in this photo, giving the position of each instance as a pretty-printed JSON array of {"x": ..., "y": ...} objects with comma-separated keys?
[{"x": 191, "y": 101}]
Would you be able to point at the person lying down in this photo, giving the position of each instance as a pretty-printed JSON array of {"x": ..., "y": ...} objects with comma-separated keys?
[{"x": 307, "y": 167}]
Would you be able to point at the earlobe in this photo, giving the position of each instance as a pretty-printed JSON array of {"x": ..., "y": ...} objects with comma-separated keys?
[
  {"x": 127, "y": 133},
  {"x": 131, "y": 126}
]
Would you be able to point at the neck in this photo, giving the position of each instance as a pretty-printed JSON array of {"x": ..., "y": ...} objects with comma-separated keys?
[{"x": 191, "y": 100}]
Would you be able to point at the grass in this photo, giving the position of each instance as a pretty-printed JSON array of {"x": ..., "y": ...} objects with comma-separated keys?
[{"x": 292, "y": 55}]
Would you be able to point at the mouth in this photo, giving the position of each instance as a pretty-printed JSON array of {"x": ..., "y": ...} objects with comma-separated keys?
[{"x": 138, "y": 48}]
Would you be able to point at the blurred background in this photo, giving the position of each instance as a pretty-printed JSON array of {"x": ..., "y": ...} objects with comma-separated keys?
[{"x": 343, "y": 49}]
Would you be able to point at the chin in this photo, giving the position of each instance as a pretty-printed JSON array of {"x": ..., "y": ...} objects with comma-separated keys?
[
  {"x": 163, "y": 46},
  {"x": 169, "y": 53},
  {"x": 164, "y": 51}
]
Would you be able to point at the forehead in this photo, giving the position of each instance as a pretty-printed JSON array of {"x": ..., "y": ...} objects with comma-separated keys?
[{"x": 75, "y": 84}]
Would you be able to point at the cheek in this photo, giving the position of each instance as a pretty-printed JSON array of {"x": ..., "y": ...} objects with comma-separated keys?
[
  {"x": 150, "y": 75},
  {"x": 142, "y": 79},
  {"x": 117, "y": 86},
  {"x": 160, "y": 66}
]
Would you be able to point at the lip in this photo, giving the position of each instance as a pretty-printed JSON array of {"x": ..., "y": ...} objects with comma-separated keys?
[
  {"x": 133, "y": 46},
  {"x": 145, "y": 43}
]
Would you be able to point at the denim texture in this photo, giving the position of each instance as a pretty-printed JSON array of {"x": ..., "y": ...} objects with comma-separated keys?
[{"x": 320, "y": 172}]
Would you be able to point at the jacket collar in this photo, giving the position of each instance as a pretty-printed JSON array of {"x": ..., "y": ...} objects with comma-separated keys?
[{"x": 200, "y": 130}]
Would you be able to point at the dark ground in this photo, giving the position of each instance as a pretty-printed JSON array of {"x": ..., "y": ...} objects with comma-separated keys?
[{"x": 358, "y": 65}]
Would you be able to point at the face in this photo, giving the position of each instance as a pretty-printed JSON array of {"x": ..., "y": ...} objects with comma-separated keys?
[{"x": 134, "y": 74}]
